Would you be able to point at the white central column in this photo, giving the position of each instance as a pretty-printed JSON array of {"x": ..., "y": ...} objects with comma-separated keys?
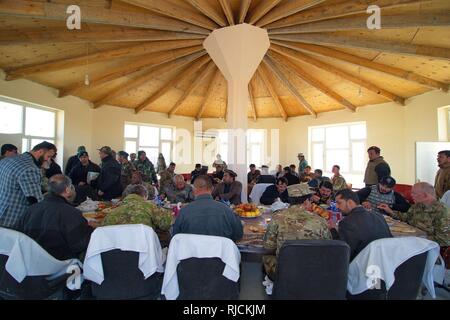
[{"x": 237, "y": 51}]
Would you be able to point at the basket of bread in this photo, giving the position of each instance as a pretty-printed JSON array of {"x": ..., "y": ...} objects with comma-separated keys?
[{"x": 247, "y": 210}]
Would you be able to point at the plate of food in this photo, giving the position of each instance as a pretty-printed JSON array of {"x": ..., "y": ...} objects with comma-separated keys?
[
  {"x": 320, "y": 211},
  {"x": 247, "y": 210}
]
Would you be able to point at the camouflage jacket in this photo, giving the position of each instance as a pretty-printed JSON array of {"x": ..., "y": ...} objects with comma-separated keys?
[
  {"x": 294, "y": 223},
  {"x": 433, "y": 219},
  {"x": 339, "y": 183},
  {"x": 166, "y": 180},
  {"x": 135, "y": 210},
  {"x": 126, "y": 172},
  {"x": 147, "y": 169},
  {"x": 175, "y": 195}
]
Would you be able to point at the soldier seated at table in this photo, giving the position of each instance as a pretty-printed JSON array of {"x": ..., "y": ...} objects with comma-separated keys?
[
  {"x": 295, "y": 223},
  {"x": 427, "y": 214},
  {"x": 136, "y": 179},
  {"x": 179, "y": 191}
]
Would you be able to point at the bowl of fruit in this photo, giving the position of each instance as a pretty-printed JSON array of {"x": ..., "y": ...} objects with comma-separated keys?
[{"x": 247, "y": 210}]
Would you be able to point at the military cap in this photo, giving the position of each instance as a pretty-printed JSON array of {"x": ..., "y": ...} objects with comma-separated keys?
[
  {"x": 82, "y": 153},
  {"x": 231, "y": 173},
  {"x": 106, "y": 150},
  {"x": 299, "y": 190}
]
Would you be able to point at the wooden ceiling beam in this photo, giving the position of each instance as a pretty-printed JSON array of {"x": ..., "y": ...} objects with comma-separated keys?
[
  {"x": 367, "y": 44},
  {"x": 282, "y": 76},
  {"x": 297, "y": 56},
  {"x": 171, "y": 9},
  {"x": 263, "y": 7},
  {"x": 21, "y": 37},
  {"x": 302, "y": 74},
  {"x": 197, "y": 81},
  {"x": 342, "y": 9},
  {"x": 419, "y": 20},
  {"x": 188, "y": 71},
  {"x": 146, "y": 62},
  {"x": 102, "y": 56},
  {"x": 208, "y": 94},
  {"x": 226, "y": 7},
  {"x": 286, "y": 9},
  {"x": 205, "y": 7},
  {"x": 243, "y": 10},
  {"x": 152, "y": 72},
  {"x": 252, "y": 101},
  {"x": 96, "y": 15},
  {"x": 262, "y": 73},
  {"x": 366, "y": 63}
]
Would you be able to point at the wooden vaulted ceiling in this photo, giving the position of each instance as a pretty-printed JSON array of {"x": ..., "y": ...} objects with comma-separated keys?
[{"x": 148, "y": 54}]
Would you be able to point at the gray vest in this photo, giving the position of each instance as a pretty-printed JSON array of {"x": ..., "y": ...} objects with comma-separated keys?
[{"x": 376, "y": 197}]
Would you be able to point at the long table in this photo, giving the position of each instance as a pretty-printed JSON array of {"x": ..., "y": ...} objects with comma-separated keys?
[{"x": 254, "y": 230}]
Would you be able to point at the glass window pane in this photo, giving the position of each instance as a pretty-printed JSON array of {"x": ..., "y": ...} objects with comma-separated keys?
[
  {"x": 130, "y": 146},
  {"x": 148, "y": 136},
  {"x": 152, "y": 154},
  {"x": 255, "y": 136},
  {"x": 339, "y": 157},
  {"x": 166, "y": 150},
  {"x": 337, "y": 137},
  {"x": 223, "y": 136},
  {"x": 358, "y": 131},
  {"x": 166, "y": 134},
  {"x": 24, "y": 145},
  {"x": 131, "y": 131},
  {"x": 358, "y": 156},
  {"x": 318, "y": 134},
  {"x": 223, "y": 151},
  {"x": 11, "y": 119},
  {"x": 39, "y": 123},
  {"x": 317, "y": 151},
  {"x": 37, "y": 141},
  {"x": 256, "y": 154}
]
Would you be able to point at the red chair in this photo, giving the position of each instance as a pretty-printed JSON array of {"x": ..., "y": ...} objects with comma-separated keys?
[
  {"x": 186, "y": 176},
  {"x": 405, "y": 191}
]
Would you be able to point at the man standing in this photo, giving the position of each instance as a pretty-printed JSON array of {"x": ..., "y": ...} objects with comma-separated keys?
[
  {"x": 360, "y": 227},
  {"x": 127, "y": 169},
  {"x": 206, "y": 216},
  {"x": 275, "y": 191},
  {"x": 382, "y": 196},
  {"x": 55, "y": 224},
  {"x": 442, "y": 181},
  {"x": 146, "y": 168},
  {"x": 132, "y": 157},
  {"x": 427, "y": 214},
  {"x": 79, "y": 174},
  {"x": 338, "y": 181},
  {"x": 302, "y": 163},
  {"x": 73, "y": 160},
  {"x": 229, "y": 189},
  {"x": 8, "y": 150},
  {"x": 108, "y": 182},
  {"x": 376, "y": 168},
  {"x": 167, "y": 176},
  {"x": 20, "y": 182},
  {"x": 179, "y": 191}
]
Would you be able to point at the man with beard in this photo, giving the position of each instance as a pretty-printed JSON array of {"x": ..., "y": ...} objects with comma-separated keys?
[
  {"x": 20, "y": 183},
  {"x": 108, "y": 182},
  {"x": 146, "y": 168},
  {"x": 442, "y": 181}
]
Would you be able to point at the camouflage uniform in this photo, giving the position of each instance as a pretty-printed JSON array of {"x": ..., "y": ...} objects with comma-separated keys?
[
  {"x": 175, "y": 195},
  {"x": 148, "y": 186},
  {"x": 294, "y": 223},
  {"x": 126, "y": 173},
  {"x": 433, "y": 219},
  {"x": 147, "y": 170},
  {"x": 166, "y": 180},
  {"x": 339, "y": 183},
  {"x": 135, "y": 210}
]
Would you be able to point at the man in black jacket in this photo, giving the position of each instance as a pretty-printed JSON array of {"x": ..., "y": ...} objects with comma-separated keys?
[
  {"x": 292, "y": 179},
  {"x": 382, "y": 195},
  {"x": 276, "y": 191},
  {"x": 73, "y": 160},
  {"x": 359, "y": 227},
  {"x": 108, "y": 183},
  {"x": 79, "y": 174},
  {"x": 55, "y": 225}
]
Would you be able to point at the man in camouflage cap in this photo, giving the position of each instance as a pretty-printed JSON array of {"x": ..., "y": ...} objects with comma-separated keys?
[
  {"x": 146, "y": 168},
  {"x": 298, "y": 193},
  {"x": 135, "y": 209},
  {"x": 294, "y": 223},
  {"x": 127, "y": 169},
  {"x": 166, "y": 178},
  {"x": 427, "y": 214}
]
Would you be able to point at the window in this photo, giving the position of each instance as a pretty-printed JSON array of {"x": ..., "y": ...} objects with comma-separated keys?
[
  {"x": 256, "y": 146},
  {"x": 151, "y": 139},
  {"x": 342, "y": 144},
  {"x": 32, "y": 123}
]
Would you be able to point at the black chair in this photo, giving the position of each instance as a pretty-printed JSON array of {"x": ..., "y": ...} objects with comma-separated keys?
[
  {"x": 123, "y": 280},
  {"x": 32, "y": 287},
  {"x": 202, "y": 279},
  {"x": 408, "y": 279},
  {"x": 312, "y": 270}
]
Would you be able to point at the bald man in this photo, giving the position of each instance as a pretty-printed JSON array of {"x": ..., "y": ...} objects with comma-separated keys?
[{"x": 427, "y": 214}]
